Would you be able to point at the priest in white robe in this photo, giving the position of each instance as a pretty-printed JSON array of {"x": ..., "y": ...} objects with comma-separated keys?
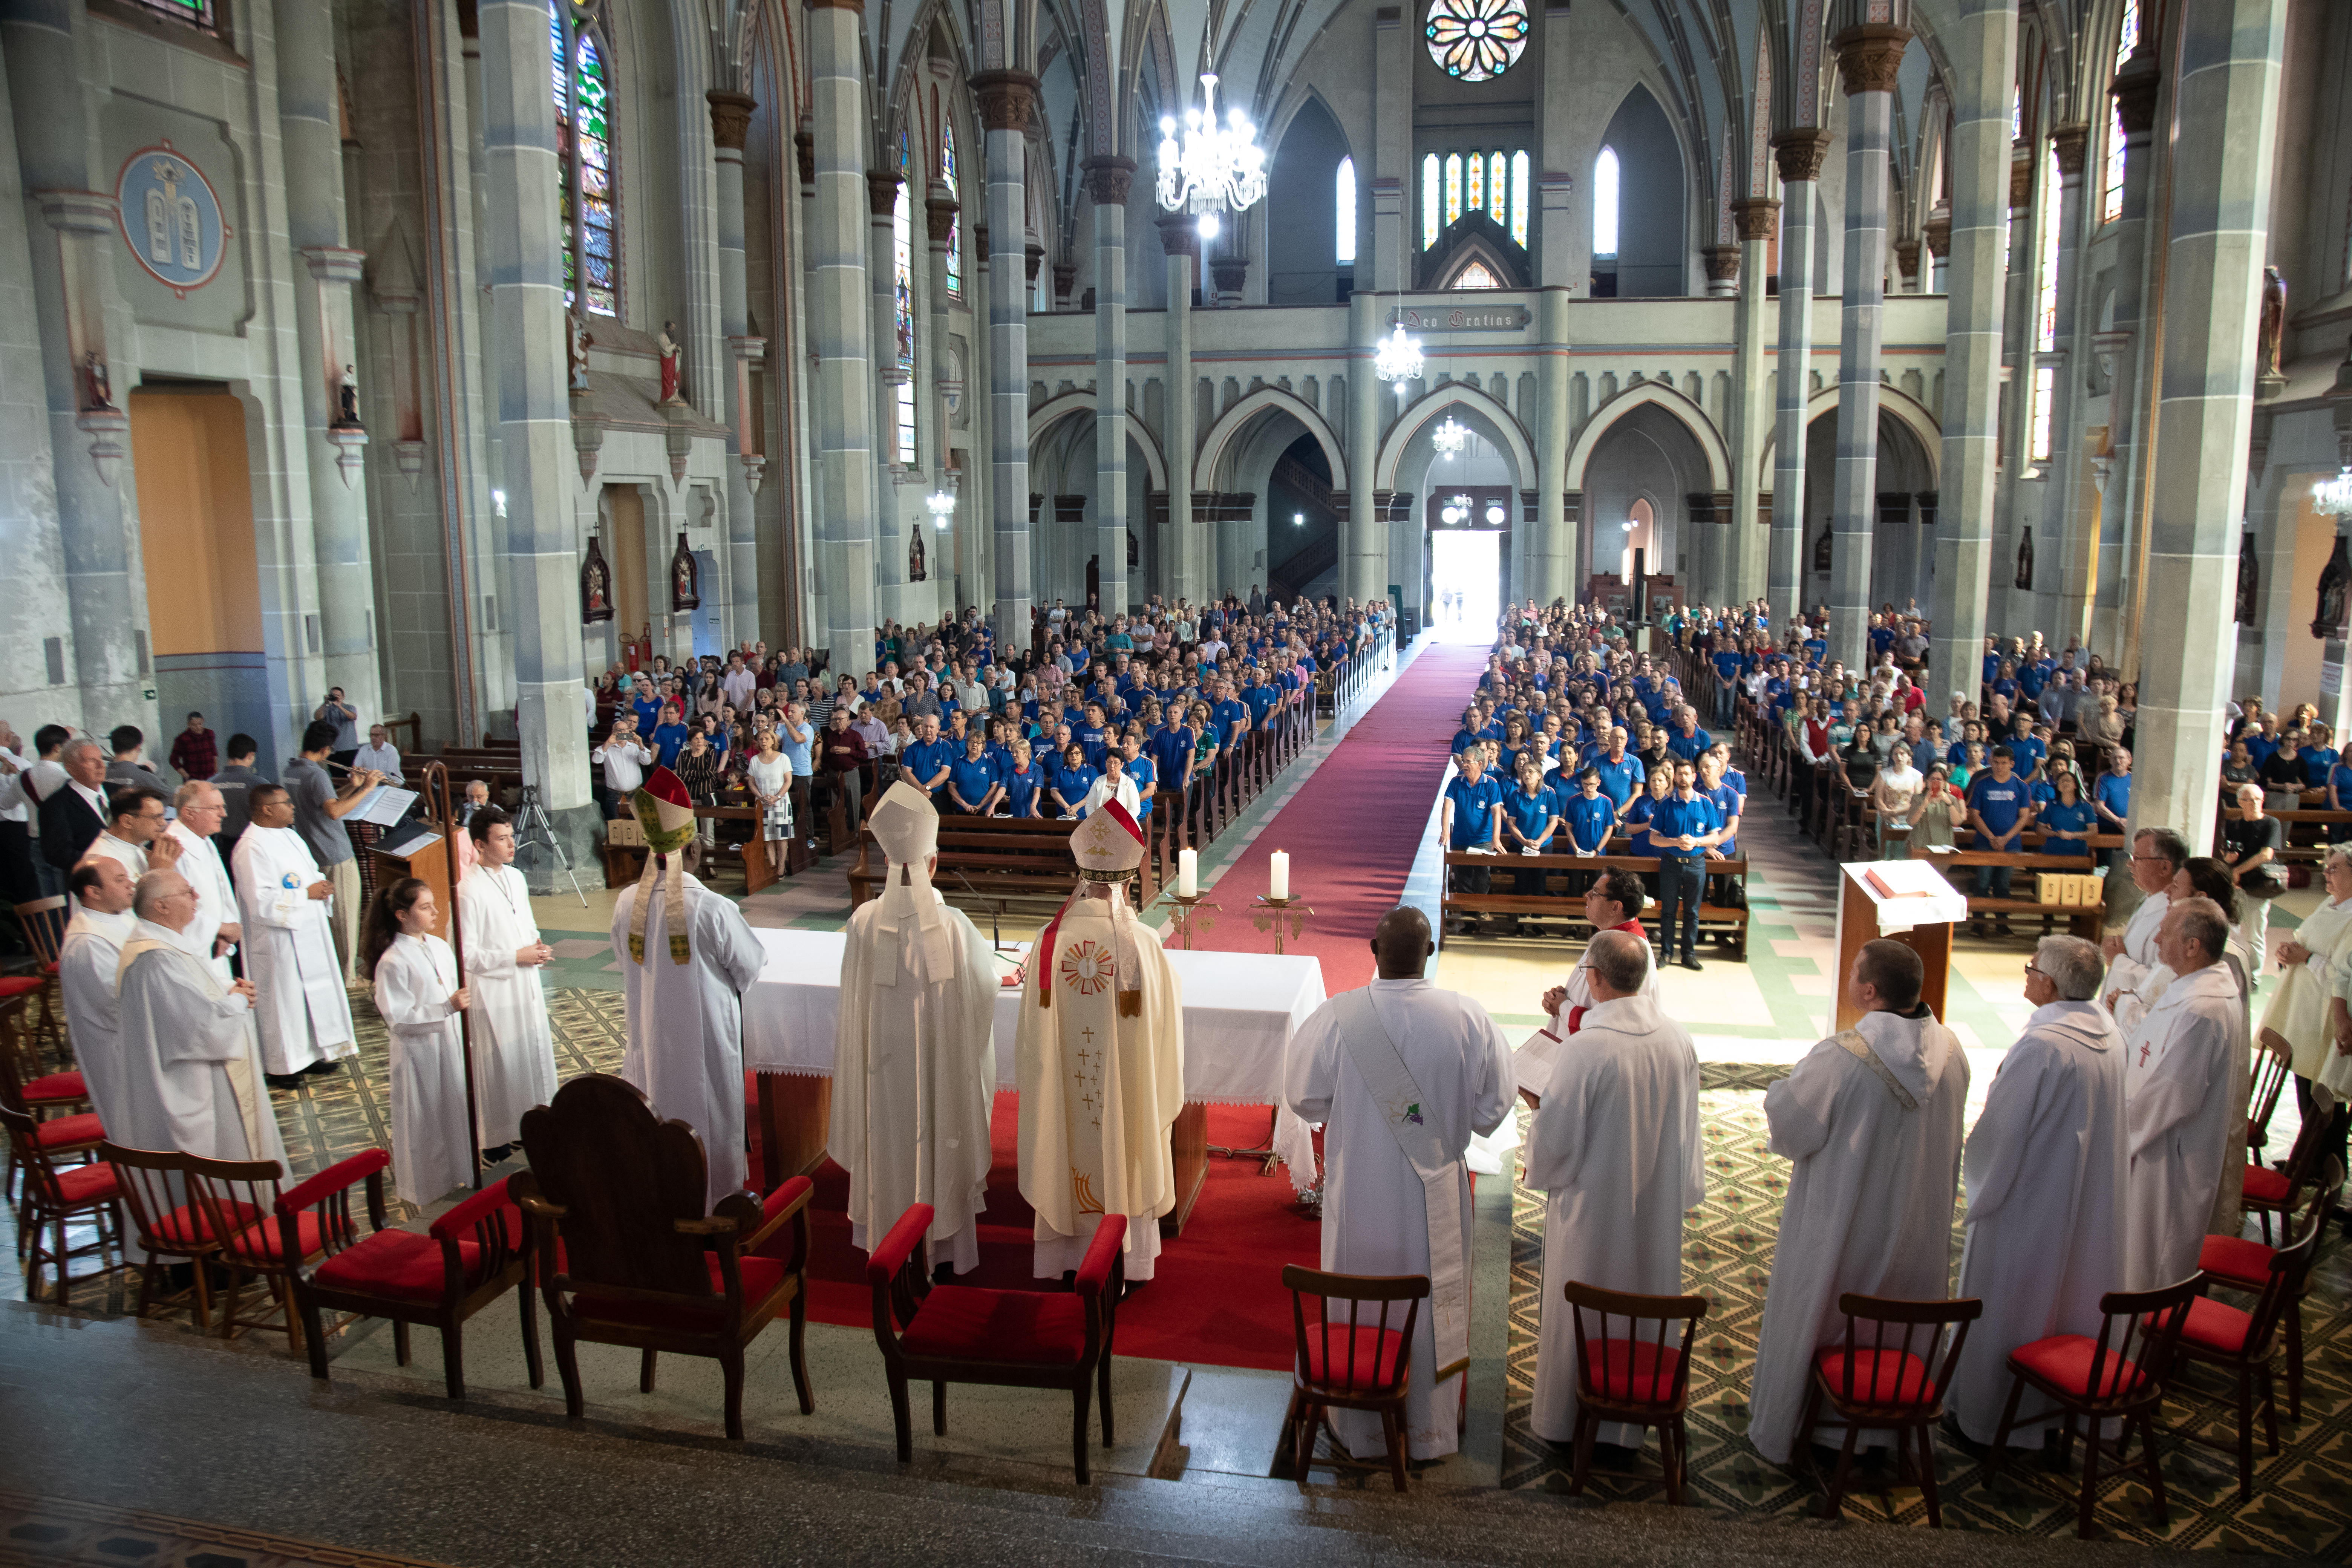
[
  {"x": 2133, "y": 982},
  {"x": 687, "y": 957},
  {"x": 2045, "y": 1181},
  {"x": 514, "y": 1046},
  {"x": 191, "y": 1075},
  {"x": 1099, "y": 1062},
  {"x": 1401, "y": 1074},
  {"x": 914, "y": 1054},
  {"x": 2180, "y": 1094},
  {"x": 418, "y": 992},
  {"x": 1615, "y": 1144},
  {"x": 1613, "y": 902},
  {"x": 90, "y": 960},
  {"x": 218, "y": 927},
  {"x": 289, "y": 947},
  {"x": 1871, "y": 1119}
]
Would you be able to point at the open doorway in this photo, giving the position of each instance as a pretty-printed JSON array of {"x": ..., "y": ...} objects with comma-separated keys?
[{"x": 1465, "y": 575}]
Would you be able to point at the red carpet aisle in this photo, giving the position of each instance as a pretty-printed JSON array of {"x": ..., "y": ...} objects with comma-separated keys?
[{"x": 1353, "y": 830}]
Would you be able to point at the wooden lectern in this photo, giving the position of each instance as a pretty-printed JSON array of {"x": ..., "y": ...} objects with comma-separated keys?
[
  {"x": 425, "y": 857},
  {"x": 1904, "y": 901}
]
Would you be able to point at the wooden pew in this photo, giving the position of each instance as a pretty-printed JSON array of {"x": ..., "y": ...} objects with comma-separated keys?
[
  {"x": 1958, "y": 868},
  {"x": 1727, "y": 925},
  {"x": 1003, "y": 859}
]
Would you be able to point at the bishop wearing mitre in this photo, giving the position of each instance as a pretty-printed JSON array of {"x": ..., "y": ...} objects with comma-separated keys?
[
  {"x": 687, "y": 957},
  {"x": 514, "y": 1049},
  {"x": 1100, "y": 1061},
  {"x": 914, "y": 1060}
]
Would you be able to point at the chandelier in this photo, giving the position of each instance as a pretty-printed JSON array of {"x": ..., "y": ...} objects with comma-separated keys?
[
  {"x": 1215, "y": 167},
  {"x": 2334, "y": 497},
  {"x": 943, "y": 504},
  {"x": 1399, "y": 359},
  {"x": 1451, "y": 436}
]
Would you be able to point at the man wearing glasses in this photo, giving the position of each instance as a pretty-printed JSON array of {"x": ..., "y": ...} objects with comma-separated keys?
[{"x": 2157, "y": 856}]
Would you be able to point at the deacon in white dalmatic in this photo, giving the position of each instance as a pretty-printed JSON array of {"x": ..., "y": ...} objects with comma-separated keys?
[
  {"x": 191, "y": 1075},
  {"x": 2135, "y": 971},
  {"x": 289, "y": 943},
  {"x": 1401, "y": 1074},
  {"x": 1615, "y": 1143},
  {"x": 1099, "y": 1062},
  {"x": 2045, "y": 1183},
  {"x": 914, "y": 1057},
  {"x": 1871, "y": 1118},
  {"x": 687, "y": 956},
  {"x": 90, "y": 960},
  {"x": 2181, "y": 1073},
  {"x": 514, "y": 1048},
  {"x": 419, "y": 992}
]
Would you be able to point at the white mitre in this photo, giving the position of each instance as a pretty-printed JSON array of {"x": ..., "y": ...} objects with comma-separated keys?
[{"x": 907, "y": 825}]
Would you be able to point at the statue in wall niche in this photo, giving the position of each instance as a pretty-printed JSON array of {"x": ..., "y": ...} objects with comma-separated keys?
[
  {"x": 1825, "y": 549},
  {"x": 578, "y": 342},
  {"x": 595, "y": 585},
  {"x": 915, "y": 569},
  {"x": 2250, "y": 581},
  {"x": 101, "y": 392},
  {"x": 2025, "y": 557},
  {"x": 2270, "y": 335},
  {"x": 347, "y": 401},
  {"x": 1134, "y": 551},
  {"x": 1094, "y": 581},
  {"x": 2335, "y": 581},
  {"x": 682, "y": 575},
  {"x": 666, "y": 341}
]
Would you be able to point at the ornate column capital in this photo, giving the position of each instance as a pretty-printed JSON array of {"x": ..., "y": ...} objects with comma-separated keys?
[
  {"x": 730, "y": 117},
  {"x": 882, "y": 191},
  {"x": 1938, "y": 231},
  {"x": 1755, "y": 218},
  {"x": 804, "y": 153},
  {"x": 1722, "y": 263},
  {"x": 2071, "y": 143},
  {"x": 2134, "y": 89},
  {"x": 1907, "y": 257},
  {"x": 1869, "y": 55},
  {"x": 1008, "y": 99},
  {"x": 939, "y": 211},
  {"x": 1108, "y": 179},
  {"x": 1035, "y": 254},
  {"x": 856, "y": 5},
  {"x": 2020, "y": 177},
  {"x": 1801, "y": 153},
  {"x": 1177, "y": 236}
]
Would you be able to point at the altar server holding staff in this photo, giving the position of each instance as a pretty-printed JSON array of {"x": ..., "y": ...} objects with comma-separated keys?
[{"x": 417, "y": 990}]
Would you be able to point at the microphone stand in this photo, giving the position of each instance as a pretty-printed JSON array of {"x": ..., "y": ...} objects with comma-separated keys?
[{"x": 996, "y": 931}]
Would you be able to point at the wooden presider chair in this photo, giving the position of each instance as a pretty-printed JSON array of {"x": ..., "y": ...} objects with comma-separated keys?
[
  {"x": 1883, "y": 1376},
  {"x": 1008, "y": 1338},
  {"x": 1350, "y": 1360},
  {"x": 615, "y": 1199}
]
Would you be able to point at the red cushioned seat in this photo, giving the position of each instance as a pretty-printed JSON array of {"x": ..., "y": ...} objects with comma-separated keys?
[
  {"x": 2063, "y": 1360},
  {"x": 87, "y": 1185},
  {"x": 188, "y": 1225},
  {"x": 65, "y": 1132},
  {"x": 761, "y": 1277},
  {"x": 961, "y": 1322},
  {"x": 1369, "y": 1355},
  {"x": 2236, "y": 1260},
  {"x": 1880, "y": 1376},
  {"x": 1634, "y": 1369},
  {"x": 20, "y": 985},
  {"x": 56, "y": 1088},
  {"x": 2266, "y": 1185},
  {"x": 397, "y": 1263},
  {"x": 261, "y": 1243},
  {"x": 2216, "y": 1326}
]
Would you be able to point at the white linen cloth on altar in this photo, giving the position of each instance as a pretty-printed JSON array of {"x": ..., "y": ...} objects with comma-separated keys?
[{"x": 1240, "y": 1011}]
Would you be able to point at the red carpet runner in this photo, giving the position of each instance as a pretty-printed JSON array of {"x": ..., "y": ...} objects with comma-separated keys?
[{"x": 1353, "y": 830}]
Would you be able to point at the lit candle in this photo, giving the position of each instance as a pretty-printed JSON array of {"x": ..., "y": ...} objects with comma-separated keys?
[
  {"x": 1278, "y": 876},
  {"x": 1188, "y": 873}
]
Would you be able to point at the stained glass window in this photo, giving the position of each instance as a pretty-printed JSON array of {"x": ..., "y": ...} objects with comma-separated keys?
[
  {"x": 955, "y": 194},
  {"x": 2046, "y": 307},
  {"x": 2045, "y": 392},
  {"x": 1476, "y": 196},
  {"x": 1453, "y": 188},
  {"x": 1604, "y": 203},
  {"x": 902, "y": 267},
  {"x": 1474, "y": 40},
  {"x": 1432, "y": 210},
  {"x": 194, "y": 13},
  {"x": 584, "y": 98},
  {"x": 2113, "y": 205},
  {"x": 1343, "y": 215},
  {"x": 1475, "y": 276},
  {"x": 2017, "y": 115},
  {"x": 1519, "y": 198},
  {"x": 2127, "y": 35},
  {"x": 1495, "y": 186}
]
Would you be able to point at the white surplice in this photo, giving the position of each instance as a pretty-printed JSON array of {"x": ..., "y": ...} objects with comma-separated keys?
[
  {"x": 2045, "y": 1184},
  {"x": 90, "y": 960},
  {"x": 1098, "y": 1093},
  {"x": 217, "y": 906},
  {"x": 686, "y": 1020},
  {"x": 1616, "y": 1145},
  {"x": 2179, "y": 1097},
  {"x": 1532, "y": 1063},
  {"x": 430, "y": 1153},
  {"x": 1870, "y": 1200},
  {"x": 132, "y": 858},
  {"x": 2136, "y": 976},
  {"x": 1375, "y": 1205},
  {"x": 290, "y": 952},
  {"x": 914, "y": 1076},
  {"x": 191, "y": 1075},
  {"x": 514, "y": 1048}
]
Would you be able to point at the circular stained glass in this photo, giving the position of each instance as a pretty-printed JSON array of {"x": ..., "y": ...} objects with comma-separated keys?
[{"x": 1473, "y": 40}]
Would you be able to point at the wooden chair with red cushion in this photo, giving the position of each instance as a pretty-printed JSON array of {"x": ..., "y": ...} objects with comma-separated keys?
[
  {"x": 56, "y": 1102},
  {"x": 54, "y": 1196},
  {"x": 2269, "y": 1191},
  {"x": 1350, "y": 1359},
  {"x": 615, "y": 1200},
  {"x": 2271, "y": 1073},
  {"x": 2118, "y": 1377},
  {"x": 266, "y": 1249},
  {"x": 1883, "y": 1377},
  {"x": 2235, "y": 1263},
  {"x": 43, "y": 922},
  {"x": 167, "y": 1221},
  {"x": 1006, "y": 1339},
  {"x": 1631, "y": 1367}
]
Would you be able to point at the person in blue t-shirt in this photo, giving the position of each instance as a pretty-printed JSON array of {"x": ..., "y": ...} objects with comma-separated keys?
[
  {"x": 1472, "y": 818},
  {"x": 1071, "y": 782},
  {"x": 2111, "y": 796},
  {"x": 1232, "y": 718},
  {"x": 1589, "y": 816},
  {"x": 971, "y": 780},
  {"x": 1093, "y": 734},
  {"x": 1683, "y": 827},
  {"x": 925, "y": 763},
  {"x": 1022, "y": 781},
  {"x": 1144, "y": 774},
  {"x": 2068, "y": 821},
  {"x": 2318, "y": 757},
  {"x": 1621, "y": 772},
  {"x": 1688, "y": 739},
  {"x": 2023, "y": 749},
  {"x": 1635, "y": 820},
  {"x": 2001, "y": 810},
  {"x": 1531, "y": 817}
]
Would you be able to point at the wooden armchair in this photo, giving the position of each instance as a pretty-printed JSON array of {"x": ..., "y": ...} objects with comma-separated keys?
[
  {"x": 615, "y": 1199},
  {"x": 56, "y": 1104}
]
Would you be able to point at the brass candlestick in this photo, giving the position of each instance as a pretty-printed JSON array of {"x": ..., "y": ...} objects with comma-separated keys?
[
  {"x": 1184, "y": 911},
  {"x": 1274, "y": 912}
]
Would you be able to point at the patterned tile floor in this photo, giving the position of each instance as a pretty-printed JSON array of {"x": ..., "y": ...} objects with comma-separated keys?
[{"x": 51, "y": 1532}]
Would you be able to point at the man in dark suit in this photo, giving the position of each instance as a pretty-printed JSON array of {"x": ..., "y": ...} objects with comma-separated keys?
[{"x": 73, "y": 817}]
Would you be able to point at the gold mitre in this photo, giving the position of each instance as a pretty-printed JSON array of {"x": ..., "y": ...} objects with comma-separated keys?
[{"x": 1108, "y": 845}]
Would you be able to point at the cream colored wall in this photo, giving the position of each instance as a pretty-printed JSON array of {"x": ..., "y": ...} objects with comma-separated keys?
[{"x": 195, "y": 534}]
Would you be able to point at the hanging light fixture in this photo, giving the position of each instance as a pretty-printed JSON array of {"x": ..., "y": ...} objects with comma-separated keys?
[
  {"x": 1215, "y": 168},
  {"x": 2334, "y": 497},
  {"x": 1399, "y": 359},
  {"x": 1451, "y": 436},
  {"x": 942, "y": 505}
]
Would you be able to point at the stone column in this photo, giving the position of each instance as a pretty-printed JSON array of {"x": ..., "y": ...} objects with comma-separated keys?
[
  {"x": 841, "y": 315},
  {"x": 896, "y": 597},
  {"x": 1108, "y": 179},
  {"x": 2011, "y": 607},
  {"x": 540, "y": 472},
  {"x": 1982, "y": 50},
  {"x": 1365, "y": 543},
  {"x": 2227, "y": 99},
  {"x": 1189, "y": 539},
  {"x": 960, "y": 551},
  {"x": 2074, "y": 523},
  {"x": 1007, "y": 100},
  {"x": 731, "y": 123},
  {"x": 1799, "y": 154},
  {"x": 1553, "y": 557},
  {"x": 1868, "y": 55},
  {"x": 1745, "y": 568},
  {"x": 1936, "y": 233},
  {"x": 2121, "y": 507}
]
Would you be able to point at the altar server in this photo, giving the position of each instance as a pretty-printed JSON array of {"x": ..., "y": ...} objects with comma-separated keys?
[
  {"x": 2133, "y": 984},
  {"x": 90, "y": 960},
  {"x": 2179, "y": 1097},
  {"x": 1400, "y": 1074},
  {"x": 417, "y": 990},
  {"x": 1613, "y": 902},
  {"x": 687, "y": 957},
  {"x": 289, "y": 948},
  {"x": 514, "y": 1048},
  {"x": 1099, "y": 1062},
  {"x": 1615, "y": 1143},
  {"x": 2045, "y": 1183},
  {"x": 191, "y": 1075},
  {"x": 1871, "y": 1118},
  {"x": 914, "y": 1059}
]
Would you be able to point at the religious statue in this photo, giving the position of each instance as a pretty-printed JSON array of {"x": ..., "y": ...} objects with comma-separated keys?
[
  {"x": 2250, "y": 581},
  {"x": 1094, "y": 581},
  {"x": 347, "y": 401},
  {"x": 2025, "y": 558},
  {"x": 2272, "y": 328},
  {"x": 1134, "y": 551},
  {"x": 2335, "y": 580},
  {"x": 1823, "y": 549},
  {"x": 595, "y": 585},
  {"x": 666, "y": 341},
  {"x": 578, "y": 356},
  {"x": 915, "y": 571},
  {"x": 682, "y": 576},
  {"x": 101, "y": 393}
]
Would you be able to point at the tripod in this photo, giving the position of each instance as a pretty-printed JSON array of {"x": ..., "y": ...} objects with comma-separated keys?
[{"x": 532, "y": 828}]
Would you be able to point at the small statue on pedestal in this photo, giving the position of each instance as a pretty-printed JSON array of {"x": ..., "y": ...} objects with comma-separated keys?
[
  {"x": 915, "y": 569},
  {"x": 578, "y": 339},
  {"x": 101, "y": 393},
  {"x": 347, "y": 401},
  {"x": 666, "y": 341}
]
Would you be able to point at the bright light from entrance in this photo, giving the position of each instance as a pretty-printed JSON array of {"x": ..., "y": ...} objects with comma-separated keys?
[{"x": 1464, "y": 584}]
